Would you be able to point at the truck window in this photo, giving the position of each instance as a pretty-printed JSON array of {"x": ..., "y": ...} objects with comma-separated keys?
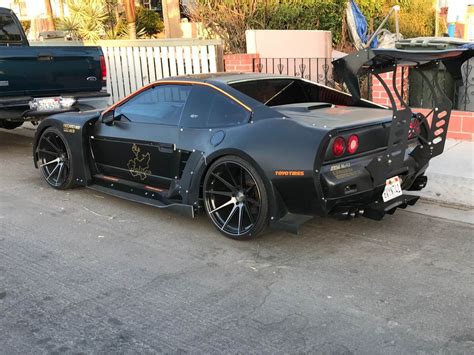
[{"x": 9, "y": 30}]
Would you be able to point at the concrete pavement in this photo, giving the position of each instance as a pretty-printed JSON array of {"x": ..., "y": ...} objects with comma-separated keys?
[
  {"x": 82, "y": 272},
  {"x": 451, "y": 175}
]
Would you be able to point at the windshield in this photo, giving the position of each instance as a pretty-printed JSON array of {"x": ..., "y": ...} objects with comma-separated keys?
[
  {"x": 286, "y": 91},
  {"x": 273, "y": 92}
]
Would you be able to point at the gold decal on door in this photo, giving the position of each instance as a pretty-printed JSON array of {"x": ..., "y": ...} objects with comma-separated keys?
[{"x": 139, "y": 166}]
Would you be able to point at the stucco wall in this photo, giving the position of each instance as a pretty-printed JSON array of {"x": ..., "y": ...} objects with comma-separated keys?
[{"x": 289, "y": 43}]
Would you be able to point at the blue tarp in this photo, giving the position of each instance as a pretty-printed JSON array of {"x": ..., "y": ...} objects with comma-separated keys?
[
  {"x": 468, "y": 45},
  {"x": 361, "y": 25}
]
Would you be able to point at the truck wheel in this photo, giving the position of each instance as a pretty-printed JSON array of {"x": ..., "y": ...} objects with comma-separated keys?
[
  {"x": 235, "y": 198},
  {"x": 10, "y": 124},
  {"x": 54, "y": 159}
]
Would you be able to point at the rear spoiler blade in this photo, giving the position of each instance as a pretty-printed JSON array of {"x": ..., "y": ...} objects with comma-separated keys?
[{"x": 377, "y": 61}]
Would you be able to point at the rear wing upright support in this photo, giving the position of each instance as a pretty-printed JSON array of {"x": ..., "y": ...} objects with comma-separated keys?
[
  {"x": 392, "y": 159},
  {"x": 437, "y": 120},
  {"x": 378, "y": 61}
]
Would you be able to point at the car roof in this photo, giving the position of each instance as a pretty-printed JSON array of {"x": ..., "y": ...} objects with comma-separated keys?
[
  {"x": 224, "y": 81},
  {"x": 4, "y": 10},
  {"x": 228, "y": 78}
]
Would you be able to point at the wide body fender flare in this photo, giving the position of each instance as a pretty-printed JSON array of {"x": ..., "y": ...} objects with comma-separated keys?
[{"x": 75, "y": 129}]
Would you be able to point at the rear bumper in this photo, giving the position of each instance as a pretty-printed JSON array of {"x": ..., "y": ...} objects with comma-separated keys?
[
  {"x": 18, "y": 109},
  {"x": 345, "y": 189},
  {"x": 349, "y": 184}
]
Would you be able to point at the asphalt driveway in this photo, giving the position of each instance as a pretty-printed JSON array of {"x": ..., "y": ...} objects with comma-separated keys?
[{"x": 82, "y": 272}]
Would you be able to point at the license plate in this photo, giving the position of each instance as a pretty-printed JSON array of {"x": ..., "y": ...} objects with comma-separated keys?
[
  {"x": 393, "y": 189},
  {"x": 47, "y": 104}
]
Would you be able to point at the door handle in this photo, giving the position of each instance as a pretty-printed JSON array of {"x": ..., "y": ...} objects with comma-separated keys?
[
  {"x": 45, "y": 56},
  {"x": 167, "y": 148}
]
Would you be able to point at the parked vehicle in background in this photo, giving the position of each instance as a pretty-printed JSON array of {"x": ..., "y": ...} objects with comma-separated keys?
[{"x": 36, "y": 82}]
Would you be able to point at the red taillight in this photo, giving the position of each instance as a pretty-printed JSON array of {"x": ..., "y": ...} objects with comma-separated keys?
[
  {"x": 415, "y": 128},
  {"x": 338, "y": 146},
  {"x": 352, "y": 144},
  {"x": 103, "y": 68}
]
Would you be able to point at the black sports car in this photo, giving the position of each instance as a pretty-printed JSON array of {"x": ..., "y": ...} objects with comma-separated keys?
[{"x": 255, "y": 150}]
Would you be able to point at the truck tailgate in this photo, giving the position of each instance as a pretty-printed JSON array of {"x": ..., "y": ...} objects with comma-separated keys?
[{"x": 47, "y": 71}]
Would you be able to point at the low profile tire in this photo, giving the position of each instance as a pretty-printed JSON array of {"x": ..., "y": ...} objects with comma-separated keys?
[
  {"x": 54, "y": 159},
  {"x": 235, "y": 198},
  {"x": 10, "y": 124}
]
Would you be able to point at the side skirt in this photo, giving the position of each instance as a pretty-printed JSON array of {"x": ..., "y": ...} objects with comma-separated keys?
[{"x": 184, "y": 210}]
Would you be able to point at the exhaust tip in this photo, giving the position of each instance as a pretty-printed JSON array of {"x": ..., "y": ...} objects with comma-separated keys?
[{"x": 346, "y": 213}]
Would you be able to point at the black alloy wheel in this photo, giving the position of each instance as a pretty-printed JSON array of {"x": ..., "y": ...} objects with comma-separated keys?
[
  {"x": 235, "y": 198},
  {"x": 54, "y": 159}
]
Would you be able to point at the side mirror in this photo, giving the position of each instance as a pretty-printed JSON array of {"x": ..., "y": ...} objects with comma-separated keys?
[{"x": 108, "y": 118}]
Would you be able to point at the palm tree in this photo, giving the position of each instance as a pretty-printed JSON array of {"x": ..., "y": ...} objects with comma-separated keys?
[
  {"x": 49, "y": 13},
  {"x": 129, "y": 6}
]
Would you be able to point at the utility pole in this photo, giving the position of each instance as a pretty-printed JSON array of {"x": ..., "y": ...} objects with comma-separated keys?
[
  {"x": 49, "y": 13},
  {"x": 129, "y": 6},
  {"x": 172, "y": 18}
]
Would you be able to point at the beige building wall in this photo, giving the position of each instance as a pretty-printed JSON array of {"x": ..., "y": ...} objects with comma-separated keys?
[
  {"x": 289, "y": 43},
  {"x": 30, "y": 9}
]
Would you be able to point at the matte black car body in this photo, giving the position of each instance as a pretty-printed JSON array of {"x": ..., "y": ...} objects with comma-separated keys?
[{"x": 289, "y": 145}]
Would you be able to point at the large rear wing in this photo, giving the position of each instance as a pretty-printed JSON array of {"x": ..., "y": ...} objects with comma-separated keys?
[{"x": 378, "y": 61}]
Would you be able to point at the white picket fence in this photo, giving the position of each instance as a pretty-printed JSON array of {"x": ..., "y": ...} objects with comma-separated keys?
[{"x": 134, "y": 64}]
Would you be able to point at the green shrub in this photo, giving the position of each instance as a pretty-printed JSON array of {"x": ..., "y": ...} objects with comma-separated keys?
[
  {"x": 417, "y": 18},
  {"x": 87, "y": 19},
  {"x": 104, "y": 19},
  {"x": 26, "y": 24},
  {"x": 304, "y": 15},
  {"x": 229, "y": 19},
  {"x": 149, "y": 21}
]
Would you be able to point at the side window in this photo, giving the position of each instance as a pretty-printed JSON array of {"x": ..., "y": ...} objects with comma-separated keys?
[
  {"x": 9, "y": 30},
  {"x": 208, "y": 108},
  {"x": 161, "y": 104}
]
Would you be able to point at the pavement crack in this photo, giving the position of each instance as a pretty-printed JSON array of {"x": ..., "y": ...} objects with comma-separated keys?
[{"x": 453, "y": 146}]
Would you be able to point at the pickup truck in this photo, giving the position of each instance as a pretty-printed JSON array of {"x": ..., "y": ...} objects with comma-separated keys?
[{"x": 37, "y": 81}]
